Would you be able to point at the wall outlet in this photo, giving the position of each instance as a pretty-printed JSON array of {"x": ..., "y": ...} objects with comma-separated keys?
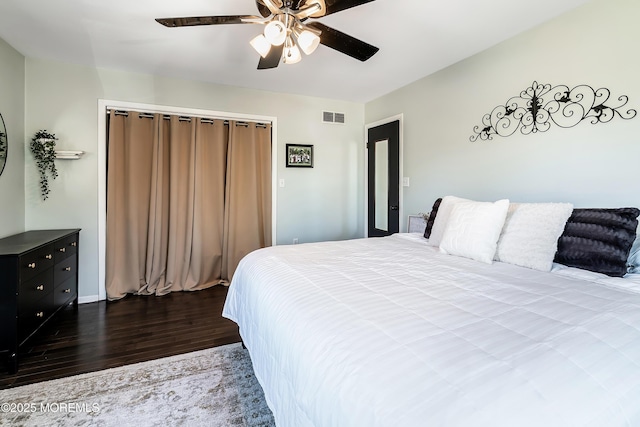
[{"x": 295, "y": 240}]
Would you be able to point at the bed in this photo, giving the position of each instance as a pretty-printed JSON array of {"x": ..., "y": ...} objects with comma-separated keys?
[{"x": 393, "y": 332}]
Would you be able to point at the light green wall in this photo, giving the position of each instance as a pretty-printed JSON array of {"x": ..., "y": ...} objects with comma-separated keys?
[
  {"x": 589, "y": 165},
  {"x": 12, "y": 110},
  {"x": 323, "y": 203}
]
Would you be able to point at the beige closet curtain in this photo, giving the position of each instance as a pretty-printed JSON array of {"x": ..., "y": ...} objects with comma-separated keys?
[
  {"x": 186, "y": 200},
  {"x": 247, "y": 218}
]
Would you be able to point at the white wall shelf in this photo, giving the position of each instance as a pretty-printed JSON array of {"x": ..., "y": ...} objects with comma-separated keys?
[{"x": 69, "y": 155}]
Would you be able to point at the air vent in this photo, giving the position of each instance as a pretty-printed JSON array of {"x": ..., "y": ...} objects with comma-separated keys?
[{"x": 331, "y": 117}]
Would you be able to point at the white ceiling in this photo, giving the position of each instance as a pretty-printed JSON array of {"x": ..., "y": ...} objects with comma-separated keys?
[{"x": 415, "y": 37}]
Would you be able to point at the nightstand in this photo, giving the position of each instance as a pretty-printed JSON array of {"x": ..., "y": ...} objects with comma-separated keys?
[{"x": 416, "y": 224}]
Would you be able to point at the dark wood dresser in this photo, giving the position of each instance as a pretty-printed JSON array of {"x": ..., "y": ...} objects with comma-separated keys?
[{"x": 38, "y": 276}]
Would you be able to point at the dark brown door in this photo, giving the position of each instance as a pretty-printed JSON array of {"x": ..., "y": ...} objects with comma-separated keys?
[{"x": 383, "y": 184}]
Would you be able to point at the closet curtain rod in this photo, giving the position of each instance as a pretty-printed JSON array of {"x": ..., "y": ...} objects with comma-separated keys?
[{"x": 146, "y": 115}]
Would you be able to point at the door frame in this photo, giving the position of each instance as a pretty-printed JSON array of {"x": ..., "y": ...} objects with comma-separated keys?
[
  {"x": 400, "y": 119},
  {"x": 105, "y": 104}
]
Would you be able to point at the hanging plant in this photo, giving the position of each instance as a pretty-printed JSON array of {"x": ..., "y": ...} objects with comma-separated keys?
[{"x": 43, "y": 147}]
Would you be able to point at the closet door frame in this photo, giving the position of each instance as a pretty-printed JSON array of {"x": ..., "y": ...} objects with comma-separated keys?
[{"x": 104, "y": 105}]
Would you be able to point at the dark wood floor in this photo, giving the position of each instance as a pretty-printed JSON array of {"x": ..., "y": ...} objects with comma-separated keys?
[{"x": 104, "y": 335}]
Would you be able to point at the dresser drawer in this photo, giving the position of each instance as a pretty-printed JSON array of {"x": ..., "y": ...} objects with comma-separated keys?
[
  {"x": 32, "y": 313},
  {"x": 65, "y": 292},
  {"x": 35, "y": 288},
  {"x": 64, "y": 270},
  {"x": 36, "y": 261},
  {"x": 66, "y": 247}
]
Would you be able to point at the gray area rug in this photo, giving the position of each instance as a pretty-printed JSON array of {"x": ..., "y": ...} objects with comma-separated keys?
[{"x": 213, "y": 387}]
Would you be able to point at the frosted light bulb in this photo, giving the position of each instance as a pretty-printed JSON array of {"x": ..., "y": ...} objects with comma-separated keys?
[
  {"x": 275, "y": 32},
  {"x": 261, "y": 45},
  {"x": 308, "y": 42},
  {"x": 291, "y": 54}
]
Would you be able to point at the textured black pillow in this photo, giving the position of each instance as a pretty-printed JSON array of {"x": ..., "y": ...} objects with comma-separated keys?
[
  {"x": 598, "y": 240},
  {"x": 432, "y": 218}
]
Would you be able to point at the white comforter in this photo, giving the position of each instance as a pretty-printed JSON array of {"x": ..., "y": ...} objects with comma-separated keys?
[{"x": 389, "y": 332}]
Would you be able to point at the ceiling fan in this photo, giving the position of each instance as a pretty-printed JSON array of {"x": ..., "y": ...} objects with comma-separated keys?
[{"x": 286, "y": 30}]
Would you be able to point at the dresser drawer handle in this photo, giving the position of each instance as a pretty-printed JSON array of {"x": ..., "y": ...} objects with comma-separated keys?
[
  {"x": 40, "y": 288},
  {"x": 67, "y": 291},
  {"x": 67, "y": 269},
  {"x": 49, "y": 256},
  {"x": 40, "y": 314},
  {"x": 74, "y": 243},
  {"x": 63, "y": 249},
  {"x": 32, "y": 265}
]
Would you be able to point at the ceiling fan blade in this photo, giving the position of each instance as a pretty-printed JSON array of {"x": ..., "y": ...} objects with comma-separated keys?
[
  {"x": 205, "y": 20},
  {"x": 334, "y": 6},
  {"x": 264, "y": 10},
  {"x": 273, "y": 58},
  {"x": 344, "y": 43}
]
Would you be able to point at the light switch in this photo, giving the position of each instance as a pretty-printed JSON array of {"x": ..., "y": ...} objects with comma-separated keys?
[
  {"x": 281, "y": 182},
  {"x": 405, "y": 181}
]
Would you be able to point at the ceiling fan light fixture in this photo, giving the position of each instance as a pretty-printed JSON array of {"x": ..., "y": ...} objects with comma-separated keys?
[
  {"x": 286, "y": 31},
  {"x": 275, "y": 32},
  {"x": 261, "y": 45},
  {"x": 308, "y": 41}
]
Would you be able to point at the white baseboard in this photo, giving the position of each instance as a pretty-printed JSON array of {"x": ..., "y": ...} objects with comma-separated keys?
[{"x": 88, "y": 299}]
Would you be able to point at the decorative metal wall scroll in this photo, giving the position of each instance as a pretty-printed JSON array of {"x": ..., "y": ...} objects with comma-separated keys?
[{"x": 538, "y": 106}]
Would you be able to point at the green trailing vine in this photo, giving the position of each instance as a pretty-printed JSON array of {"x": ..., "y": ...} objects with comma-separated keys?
[{"x": 43, "y": 147}]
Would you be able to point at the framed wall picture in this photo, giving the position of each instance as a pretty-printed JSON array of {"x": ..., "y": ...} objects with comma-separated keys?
[{"x": 299, "y": 156}]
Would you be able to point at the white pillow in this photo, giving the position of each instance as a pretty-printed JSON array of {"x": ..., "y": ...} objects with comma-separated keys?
[
  {"x": 633, "y": 264},
  {"x": 530, "y": 234},
  {"x": 473, "y": 229},
  {"x": 442, "y": 216}
]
